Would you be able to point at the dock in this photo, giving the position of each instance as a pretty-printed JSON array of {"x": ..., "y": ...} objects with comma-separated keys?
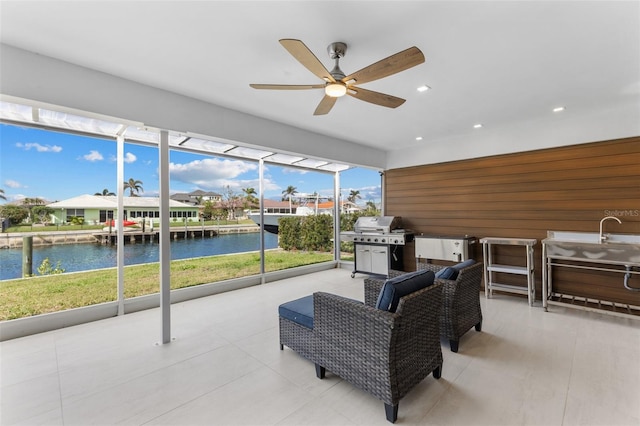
[
  {"x": 14, "y": 240},
  {"x": 139, "y": 236}
]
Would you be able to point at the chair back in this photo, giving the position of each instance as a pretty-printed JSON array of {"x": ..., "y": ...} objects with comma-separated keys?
[{"x": 418, "y": 323}]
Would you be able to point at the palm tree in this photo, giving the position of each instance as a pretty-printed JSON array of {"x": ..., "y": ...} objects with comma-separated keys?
[
  {"x": 355, "y": 194},
  {"x": 2, "y": 196},
  {"x": 133, "y": 185},
  {"x": 250, "y": 197},
  {"x": 30, "y": 202},
  {"x": 105, "y": 192},
  {"x": 288, "y": 193}
]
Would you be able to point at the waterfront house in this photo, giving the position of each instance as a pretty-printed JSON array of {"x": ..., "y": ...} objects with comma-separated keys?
[
  {"x": 96, "y": 209},
  {"x": 197, "y": 197}
]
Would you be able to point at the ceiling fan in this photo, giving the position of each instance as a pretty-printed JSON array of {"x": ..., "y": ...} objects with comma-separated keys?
[{"x": 337, "y": 84}]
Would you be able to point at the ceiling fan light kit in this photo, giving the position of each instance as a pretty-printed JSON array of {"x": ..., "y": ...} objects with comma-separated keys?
[
  {"x": 338, "y": 84},
  {"x": 335, "y": 90}
]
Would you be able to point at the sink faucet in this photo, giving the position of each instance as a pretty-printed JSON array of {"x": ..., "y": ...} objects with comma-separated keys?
[{"x": 603, "y": 237}]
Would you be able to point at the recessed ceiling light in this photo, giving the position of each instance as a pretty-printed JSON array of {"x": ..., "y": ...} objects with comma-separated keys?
[
  {"x": 477, "y": 126},
  {"x": 419, "y": 138},
  {"x": 423, "y": 88},
  {"x": 558, "y": 109}
]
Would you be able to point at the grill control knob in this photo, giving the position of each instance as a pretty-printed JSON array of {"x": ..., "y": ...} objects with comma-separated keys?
[
  {"x": 368, "y": 239},
  {"x": 375, "y": 240},
  {"x": 383, "y": 240}
]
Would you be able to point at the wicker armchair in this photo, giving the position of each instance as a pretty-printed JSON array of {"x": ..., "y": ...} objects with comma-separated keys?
[
  {"x": 385, "y": 354},
  {"x": 460, "y": 305}
]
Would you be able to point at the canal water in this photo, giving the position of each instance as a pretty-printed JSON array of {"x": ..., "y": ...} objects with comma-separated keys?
[{"x": 84, "y": 257}]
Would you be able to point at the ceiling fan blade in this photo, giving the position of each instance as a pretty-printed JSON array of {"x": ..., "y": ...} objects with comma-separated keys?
[
  {"x": 306, "y": 57},
  {"x": 375, "y": 97},
  {"x": 287, "y": 86},
  {"x": 325, "y": 105},
  {"x": 393, "y": 64}
]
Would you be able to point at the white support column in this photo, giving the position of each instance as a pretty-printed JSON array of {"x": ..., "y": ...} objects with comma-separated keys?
[
  {"x": 336, "y": 216},
  {"x": 261, "y": 191},
  {"x": 165, "y": 249},
  {"x": 383, "y": 192},
  {"x": 119, "y": 224}
]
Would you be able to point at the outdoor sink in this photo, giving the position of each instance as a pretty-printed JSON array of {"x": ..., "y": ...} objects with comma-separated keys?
[{"x": 619, "y": 249}]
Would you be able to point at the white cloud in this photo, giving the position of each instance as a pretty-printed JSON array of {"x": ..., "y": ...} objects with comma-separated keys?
[
  {"x": 213, "y": 174},
  {"x": 130, "y": 158},
  {"x": 40, "y": 148},
  {"x": 286, "y": 170},
  {"x": 93, "y": 156},
  {"x": 12, "y": 184}
]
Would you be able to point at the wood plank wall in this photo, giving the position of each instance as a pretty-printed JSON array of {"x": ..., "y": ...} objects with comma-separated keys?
[{"x": 523, "y": 195}]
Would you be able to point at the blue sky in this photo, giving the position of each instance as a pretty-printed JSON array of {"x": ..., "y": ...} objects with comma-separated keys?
[{"x": 55, "y": 166}]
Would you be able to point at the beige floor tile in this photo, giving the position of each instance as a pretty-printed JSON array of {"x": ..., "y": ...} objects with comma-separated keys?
[{"x": 224, "y": 367}]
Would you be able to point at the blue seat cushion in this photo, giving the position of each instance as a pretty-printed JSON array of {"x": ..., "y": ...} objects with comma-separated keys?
[
  {"x": 448, "y": 273},
  {"x": 451, "y": 272},
  {"x": 299, "y": 311},
  {"x": 395, "y": 288}
]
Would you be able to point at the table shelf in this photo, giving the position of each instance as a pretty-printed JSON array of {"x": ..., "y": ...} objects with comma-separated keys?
[{"x": 490, "y": 267}]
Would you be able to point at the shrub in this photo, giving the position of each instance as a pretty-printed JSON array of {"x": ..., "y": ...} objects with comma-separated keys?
[
  {"x": 289, "y": 233},
  {"x": 317, "y": 232},
  {"x": 76, "y": 220},
  {"x": 46, "y": 268}
]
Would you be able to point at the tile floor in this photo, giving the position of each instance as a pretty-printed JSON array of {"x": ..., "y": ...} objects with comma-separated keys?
[{"x": 527, "y": 367}]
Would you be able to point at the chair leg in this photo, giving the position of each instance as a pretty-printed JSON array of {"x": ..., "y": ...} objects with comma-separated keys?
[
  {"x": 320, "y": 371},
  {"x": 437, "y": 373},
  {"x": 392, "y": 412},
  {"x": 454, "y": 345},
  {"x": 479, "y": 326},
  {"x": 281, "y": 347}
]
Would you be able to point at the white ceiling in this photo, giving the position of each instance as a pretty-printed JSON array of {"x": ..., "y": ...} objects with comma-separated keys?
[{"x": 493, "y": 62}]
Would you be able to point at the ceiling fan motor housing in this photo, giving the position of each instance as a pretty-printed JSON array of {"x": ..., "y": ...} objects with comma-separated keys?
[{"x": 336, "y": 51}]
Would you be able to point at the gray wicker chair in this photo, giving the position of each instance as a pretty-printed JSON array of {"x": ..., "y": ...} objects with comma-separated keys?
[
  {"x": 385, "y": 354},
  {"x": 460, "y": 305}
]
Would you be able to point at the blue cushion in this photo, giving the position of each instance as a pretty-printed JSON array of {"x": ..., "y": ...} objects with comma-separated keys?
[
  {"x": 395, "y": 288},
  {"x": 451, "y": 272},
  {"x": 299, "y": 311},
  {"x": 448, "y": 273},
  {"x": 464, "y": 264}
]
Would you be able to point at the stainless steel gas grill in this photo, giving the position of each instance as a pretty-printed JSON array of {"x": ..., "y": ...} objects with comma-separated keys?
[{"x": 377, "y": 244}]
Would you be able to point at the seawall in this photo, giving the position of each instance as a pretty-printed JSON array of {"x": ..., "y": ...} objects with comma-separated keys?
[{"x": 13, "y": 240}]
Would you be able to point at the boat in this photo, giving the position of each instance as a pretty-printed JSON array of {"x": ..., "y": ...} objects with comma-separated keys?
[
  {"x": 124, "y": 222},
  {"x": 129, "y": 225},
  {"x": 271, "y": 219},
  {"x": 305, "y": 205}
]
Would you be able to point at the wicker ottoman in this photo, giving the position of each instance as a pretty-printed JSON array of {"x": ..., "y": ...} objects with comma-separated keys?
[{"x": 296, "y": 326}]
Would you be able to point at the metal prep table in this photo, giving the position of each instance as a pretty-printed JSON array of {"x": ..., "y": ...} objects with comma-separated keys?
[{"x": 490, "y": 268}]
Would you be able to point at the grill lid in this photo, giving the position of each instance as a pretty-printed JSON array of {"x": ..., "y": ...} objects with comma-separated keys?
[{"x": 377, "y": 224}]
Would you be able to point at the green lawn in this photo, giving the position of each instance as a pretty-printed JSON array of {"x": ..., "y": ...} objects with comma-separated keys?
[{"x": 37, "y": 295}]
